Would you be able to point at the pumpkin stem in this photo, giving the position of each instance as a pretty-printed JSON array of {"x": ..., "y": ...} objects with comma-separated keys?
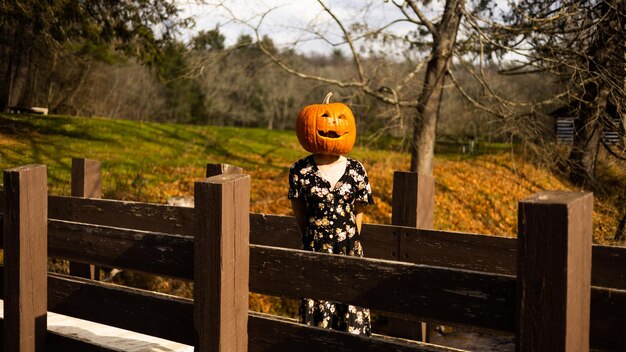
[{"x": 327, "y": 99}]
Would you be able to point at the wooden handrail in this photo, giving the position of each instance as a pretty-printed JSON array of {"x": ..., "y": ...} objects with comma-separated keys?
[{"x": 477, "y": 252}]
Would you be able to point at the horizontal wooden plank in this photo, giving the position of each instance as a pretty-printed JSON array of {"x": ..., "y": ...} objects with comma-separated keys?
[
  {"x": 458, "y": 250},
  {"x": 56, "y": 342},
  {"x": 608, "y": 319},
  {"x": 61, "y": 343},
  {"x": 280, "y": 231},
  {"x": 86, "y": 332},
  {"x": 608, "y": 267},
  {"x": 268, "y": 333},
  {"x": 150, "y": 252},
  {"x": 380, "y": 241},
  {"x": 439, "y": 248},
  {"x": 486, "y": 253},
  {"x": 146, "y": 312},
  {"x": 130, "y": 215},
  {"x": 465, "y": 297},
  {"x": 274, "y": 230}
]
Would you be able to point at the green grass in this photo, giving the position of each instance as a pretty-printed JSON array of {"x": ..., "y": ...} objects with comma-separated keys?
[
  {"x": 133, "y": 152},
  {"x": 139, "y": 156}
]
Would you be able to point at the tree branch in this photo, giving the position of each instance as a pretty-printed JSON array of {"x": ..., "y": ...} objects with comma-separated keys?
[
  {"x": 355, "y": 54},
  {"x": 425, "y": 21}
]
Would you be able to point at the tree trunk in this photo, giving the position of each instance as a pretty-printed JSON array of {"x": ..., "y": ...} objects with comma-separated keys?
[
  {"x": 5, "y": 87},
  {"x": 19, "y": 93},
  {"x": 592, "y": 109},
  {"x": 587, "y": 136},
  {"x": 425, "y": 123}
]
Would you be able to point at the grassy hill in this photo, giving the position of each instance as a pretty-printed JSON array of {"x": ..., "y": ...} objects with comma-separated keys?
[{"x": 155, "y": 161}]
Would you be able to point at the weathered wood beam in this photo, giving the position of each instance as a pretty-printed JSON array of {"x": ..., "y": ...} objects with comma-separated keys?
[
  {"x": 465, "y": 297},
  {"x": 86, "y": 183},
  {"x": 25, "y": 258},
  {"x": 221, "y": 263},
  {"x": 268, "y": 333},
  {"x": 412, "y": 205},
  {"x": 554, "y": 271}
]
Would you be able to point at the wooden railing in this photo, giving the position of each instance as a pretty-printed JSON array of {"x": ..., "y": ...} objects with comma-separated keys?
[{"x": 449, "y": 277}]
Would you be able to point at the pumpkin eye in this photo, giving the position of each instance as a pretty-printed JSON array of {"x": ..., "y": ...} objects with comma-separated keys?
[
  {"x": 342, "y": 116},
  {"x": 326, "y": 114}
]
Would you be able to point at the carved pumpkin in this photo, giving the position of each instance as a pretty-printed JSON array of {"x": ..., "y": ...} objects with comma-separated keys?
[{"x": 327, "y": 128}]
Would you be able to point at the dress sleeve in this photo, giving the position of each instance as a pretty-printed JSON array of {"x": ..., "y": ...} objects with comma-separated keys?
[
  {"x": 364, "y": 190},
  {"x": 295, "y": 191}
]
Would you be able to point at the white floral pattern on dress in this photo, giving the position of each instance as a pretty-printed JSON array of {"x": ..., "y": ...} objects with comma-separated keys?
[{"x": 331, "y": 228}]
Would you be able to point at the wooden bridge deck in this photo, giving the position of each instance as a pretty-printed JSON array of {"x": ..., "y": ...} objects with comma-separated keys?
[{"x": 108, "y": 336}]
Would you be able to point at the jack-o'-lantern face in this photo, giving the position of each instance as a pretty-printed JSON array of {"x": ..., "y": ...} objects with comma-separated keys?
[{"x": 327, "y": 128}]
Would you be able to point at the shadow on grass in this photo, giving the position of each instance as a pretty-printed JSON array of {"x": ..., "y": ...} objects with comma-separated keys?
[{"x": 25, "y": 125}]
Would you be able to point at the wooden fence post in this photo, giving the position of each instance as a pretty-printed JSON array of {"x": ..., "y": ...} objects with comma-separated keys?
[
  {"x": 554, "y": 271},
  {"x": 413, "y": 203},
  {"x": 413, "y": 200},
  {"x": 86, "y": 182},
  {"x": 25, "y": 258},
  {"x": 221, "y": 263}
]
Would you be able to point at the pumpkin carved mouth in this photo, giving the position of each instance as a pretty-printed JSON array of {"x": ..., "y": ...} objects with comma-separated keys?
[{"x": 329, "y": 134}]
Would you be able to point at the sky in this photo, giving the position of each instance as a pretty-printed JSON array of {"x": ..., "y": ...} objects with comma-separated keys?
[
  {"x": 290, "y": 22},
  {"x": 300, "y": 24}
]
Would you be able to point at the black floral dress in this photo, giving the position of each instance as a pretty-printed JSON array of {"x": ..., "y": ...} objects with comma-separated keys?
[{"x": 330, "y": 227}]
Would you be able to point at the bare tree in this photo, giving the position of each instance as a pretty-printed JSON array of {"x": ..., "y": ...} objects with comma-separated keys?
[
  {"x": 581, "y": 45},
  {"x": 428, "y": 46}
]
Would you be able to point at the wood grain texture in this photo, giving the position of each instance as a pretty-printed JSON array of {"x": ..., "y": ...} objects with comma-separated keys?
[
  {"x": 465, "y": 297},
  {"x": 280, "y": 231},
  {"x": 130, "y": 215},
  {"x": 608, "y": 319},
  {"x": 61, "y": 343},
  {"x": 25, "y": 258},
  {"x": 412, "y": 206},
  {"x": 221, "y": 263},
  {"x": 274, "y": 230},
  {"x": 86, "y": 183},
  {"x": 269, "y": 333},
  {"x": 608, "y": 268},
  {"x": 149, "y": 252},
  {"x": 459, "y": 250},
  {"x": 554, "y": 271},
  {"x": 413, "y": 199},
  {"x": 380, "y": 241},
  {"x": 146, "y": 312},
  {"x": 86, "y": 178}
]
